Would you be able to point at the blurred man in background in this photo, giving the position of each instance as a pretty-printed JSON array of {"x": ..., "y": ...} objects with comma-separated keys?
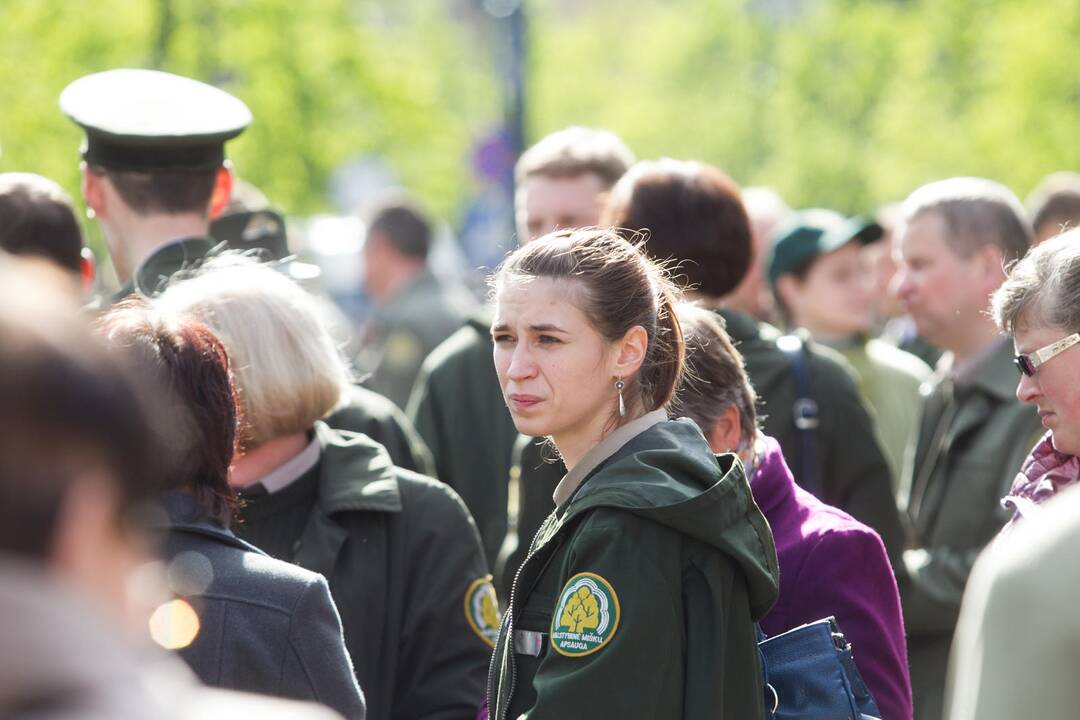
[
  {"x": 457, "y": 404},
  {"x": 955, "y": 238},
  {"x": 154, "y": 169},
  {"x": 413, "y": 311},
  {"x": 1054, "y": 204},
  {"x": 563, "y": 180}
]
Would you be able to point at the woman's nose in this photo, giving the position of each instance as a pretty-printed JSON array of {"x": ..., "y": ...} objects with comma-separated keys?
[
  {"x": 521, "y": 363},
  {"x": 1027, "y": 390}
]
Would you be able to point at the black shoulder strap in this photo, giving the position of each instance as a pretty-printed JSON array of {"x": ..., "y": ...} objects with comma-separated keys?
[{"x": 804, "y": 412}]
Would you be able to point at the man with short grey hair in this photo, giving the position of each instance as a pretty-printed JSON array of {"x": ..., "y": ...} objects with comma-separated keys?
[{"x": 954, "y": 240}]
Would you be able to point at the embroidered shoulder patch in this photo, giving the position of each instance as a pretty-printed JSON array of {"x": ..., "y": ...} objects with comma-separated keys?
[
  {"x": 482, "y": 609},
  {"x": 586, "y": 616}
]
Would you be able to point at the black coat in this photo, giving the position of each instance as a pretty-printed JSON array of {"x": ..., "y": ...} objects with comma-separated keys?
[
  {"x": 265, "y": 626},
  {"x": 406, "y": 568}
]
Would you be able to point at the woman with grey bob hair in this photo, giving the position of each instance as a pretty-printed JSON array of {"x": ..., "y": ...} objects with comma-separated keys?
[
  {"x": 1039, "y": 305},
  {"x": 400, "y": 551}
]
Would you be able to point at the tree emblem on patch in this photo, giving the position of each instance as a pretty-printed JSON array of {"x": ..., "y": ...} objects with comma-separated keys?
[
  {"x": 482, "y": 610},
  {"x": 586, "y": 616}
]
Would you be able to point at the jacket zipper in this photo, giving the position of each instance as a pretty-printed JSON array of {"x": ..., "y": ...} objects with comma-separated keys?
[{"x": 508, "y": 639}]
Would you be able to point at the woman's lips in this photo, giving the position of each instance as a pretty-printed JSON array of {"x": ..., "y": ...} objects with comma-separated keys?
[{"x": 524, "y": 402}]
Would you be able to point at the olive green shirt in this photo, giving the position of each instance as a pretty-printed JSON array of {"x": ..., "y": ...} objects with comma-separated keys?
[{"x": 889, "y": 381}]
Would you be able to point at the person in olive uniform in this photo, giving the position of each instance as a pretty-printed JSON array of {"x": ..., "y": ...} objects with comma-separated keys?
[
  {"x": 638, "y": 597},
  {"x": 456, "y": 405},
  {"x": 264, "y": 625},
  {"x": 955, "y": 239},
  {"x": 154, "y": 168},
  {"x": 412, "y": 310},
  {"x": 400, "y": 551},
  {"x": 695, "y": 217}
]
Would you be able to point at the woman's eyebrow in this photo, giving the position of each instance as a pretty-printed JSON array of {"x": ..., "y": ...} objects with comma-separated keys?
[{"x": 546, "y": 327}]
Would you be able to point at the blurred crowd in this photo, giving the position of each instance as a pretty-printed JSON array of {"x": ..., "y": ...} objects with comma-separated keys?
[{"x": 220, "y": 495}]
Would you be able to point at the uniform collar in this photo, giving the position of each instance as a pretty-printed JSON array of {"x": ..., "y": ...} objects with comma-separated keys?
[
  {"x": 772, "y": 482},
  {"x": 355, "y": 473},
  {"x": 155, "y": 271},
  {"x": 990, "y": 370},
  {"x": 293, "y": 469},
  {"x": 601, "y": 452}
]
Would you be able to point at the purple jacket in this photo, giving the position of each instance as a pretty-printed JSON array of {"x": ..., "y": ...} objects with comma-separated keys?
[{"x": 832, "y": 564}]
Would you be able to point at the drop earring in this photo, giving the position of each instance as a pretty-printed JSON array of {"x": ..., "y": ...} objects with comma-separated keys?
[{"x": 619, "y": 385}]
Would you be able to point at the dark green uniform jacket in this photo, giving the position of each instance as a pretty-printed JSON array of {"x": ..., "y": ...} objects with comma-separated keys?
[
  {"x": 404, "y": 563},
  {"x": 973, "y": 436},
  {"x": 458, "y": 409},
  {"x": 154, "y": 272},
  {"x": 639, "y": 595},
  {"x": 852, "y": 467},
  {"x": 369, "y": 413}
]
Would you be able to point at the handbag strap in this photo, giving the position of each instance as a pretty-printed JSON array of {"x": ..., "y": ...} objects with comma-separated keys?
[
  {"x": 772, "y": 699},
  {"x": 804, "y": 411}
]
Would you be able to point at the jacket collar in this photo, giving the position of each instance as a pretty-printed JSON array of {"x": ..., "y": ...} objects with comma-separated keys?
[
  {"x": 154, "y": 272},
  {"x": 181, "y": 513},
  {"x": 601, "y": 452},
  {"x": 356, "y": 473},
  {"x": 772, "y": 482},
  {"x": 994, "y": 373}
]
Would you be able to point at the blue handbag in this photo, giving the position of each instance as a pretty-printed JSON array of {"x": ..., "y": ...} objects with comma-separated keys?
[{"x": 809, "y": 675}]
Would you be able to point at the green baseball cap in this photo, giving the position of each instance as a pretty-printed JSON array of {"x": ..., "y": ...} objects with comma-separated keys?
[{"x": 816, "y": 232}]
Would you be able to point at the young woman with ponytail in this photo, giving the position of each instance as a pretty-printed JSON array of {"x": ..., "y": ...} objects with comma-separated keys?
[{"x": 639, "y": 593}]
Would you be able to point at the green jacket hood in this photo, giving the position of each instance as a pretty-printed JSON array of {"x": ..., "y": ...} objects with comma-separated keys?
[{"x": 669, "y": 475}]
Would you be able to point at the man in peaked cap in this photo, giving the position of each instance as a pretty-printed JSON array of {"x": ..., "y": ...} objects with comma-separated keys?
[{"x": 154, "y": 169}]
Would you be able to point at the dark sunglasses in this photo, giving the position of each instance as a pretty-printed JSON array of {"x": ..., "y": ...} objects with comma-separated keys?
[{"x": 1028, "y": 363}]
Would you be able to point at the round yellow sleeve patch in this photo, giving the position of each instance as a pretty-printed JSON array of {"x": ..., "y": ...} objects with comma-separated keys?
[
  {"x": 586, "y": 616},
  {"x": 482, "y": 610}
]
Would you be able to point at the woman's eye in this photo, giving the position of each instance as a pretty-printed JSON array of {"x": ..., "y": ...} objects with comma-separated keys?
[
  {"x": 548, "y": 340},
  {"x": 503, "y": 338}
]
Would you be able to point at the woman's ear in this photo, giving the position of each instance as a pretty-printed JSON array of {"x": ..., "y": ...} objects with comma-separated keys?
[
  {"x": 726, "y": 433},
  {"x": 630, "y": 352}
]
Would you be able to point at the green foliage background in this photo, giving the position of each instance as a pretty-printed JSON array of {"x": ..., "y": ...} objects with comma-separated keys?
[
  {"x": 834, "y": 102},
  {"x": 840, "y": 103}
]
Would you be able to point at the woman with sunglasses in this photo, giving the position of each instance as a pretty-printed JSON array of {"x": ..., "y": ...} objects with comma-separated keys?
[{"x": 1039, "y": 304}]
